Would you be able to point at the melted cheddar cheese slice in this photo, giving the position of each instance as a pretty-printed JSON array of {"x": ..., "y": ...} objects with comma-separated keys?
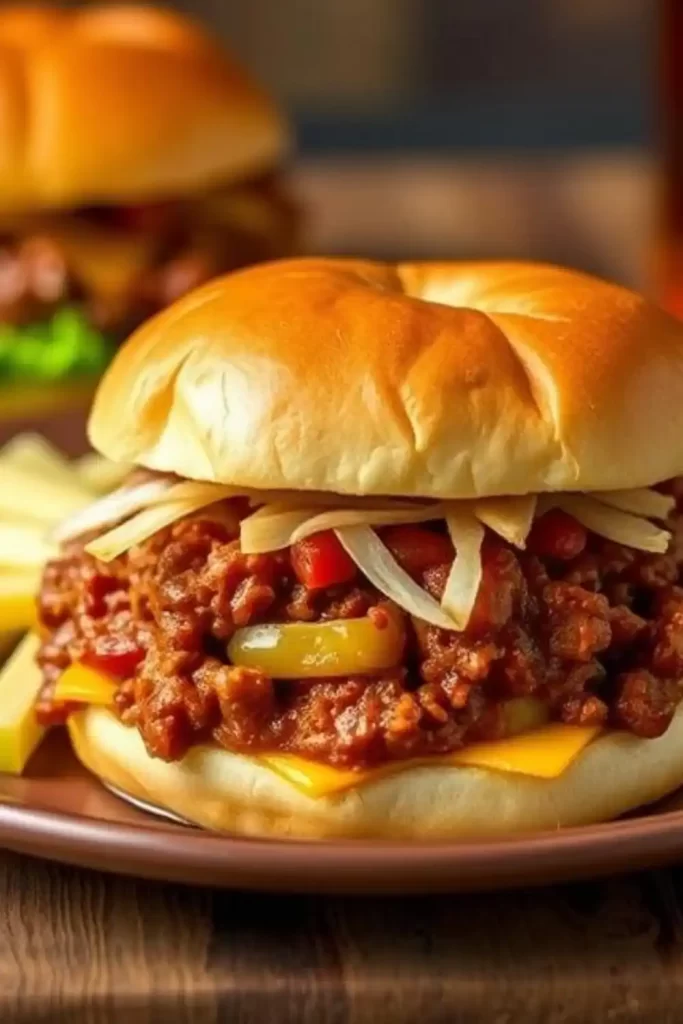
[
  {"x": 543, "y": 753},
  {"x": 79, "y": 684}
]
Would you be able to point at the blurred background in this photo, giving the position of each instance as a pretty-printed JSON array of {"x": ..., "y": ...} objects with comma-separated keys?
[
  {"x": 465, "y": 127},
  {"x": 451, "y": 128},
  {"x": 450, "y": 74}
]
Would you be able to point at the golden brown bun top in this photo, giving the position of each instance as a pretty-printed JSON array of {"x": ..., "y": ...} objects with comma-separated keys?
[
  {"x": 451, "y": 380},
  {"x": 123, "y": 103}
]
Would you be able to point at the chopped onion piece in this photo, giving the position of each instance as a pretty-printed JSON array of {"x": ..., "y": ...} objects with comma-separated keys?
[
  {"x": 338, "y": 518},
  {"x": 377, "y": 563},
  {"x": 110, "y": 509},
  {"x": 263, "y": 532},
  {"x": 621, "y": 527},
  {"x": 510, "y": 518},
  {"x": 145, "y": 524},
  {"x": 462, "y": 585},
  {"x": 641, "y": 501},
  {"x": 196, "y": 490}
]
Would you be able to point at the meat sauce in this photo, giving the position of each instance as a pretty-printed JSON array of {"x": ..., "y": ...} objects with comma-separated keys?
[
  {"x": 592, "y": 629},
  {"x": 185, "y": 242}
]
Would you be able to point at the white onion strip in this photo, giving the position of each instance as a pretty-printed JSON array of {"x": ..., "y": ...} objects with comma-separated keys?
[
  {"x": 377, "y": 563},
  {"x": 510, "y": 518},
  {"x": 260, "y": 532},
  {"x": 621, "y": 527},
  {"x": 641, "y": 501},
  {"x": 287, "y": 517},
  {"x": 120, "y": 504},
  {"x": 464, "y": 579},
  {"x": 339, "y": 518},
  {"x": 145, "y": 524}
]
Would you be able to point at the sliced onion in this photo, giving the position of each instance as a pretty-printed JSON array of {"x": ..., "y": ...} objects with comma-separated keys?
[
  {"x": 510, "y": 518},
  {"x": 621, "y": 527},
  {"x": 142, "y": 526},
  {"x": 641, "y": 501},
  {"x": 339, "y": 518},
  {"x": 115, "y": 506},
  {"x": 464, "y": 579},
  {"x": 377, "y": 563},
  {"x": 263, "y": 531}
]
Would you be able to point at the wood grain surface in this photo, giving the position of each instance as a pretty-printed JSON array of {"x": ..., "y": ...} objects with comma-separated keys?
[{"x": 83, "y": 947}]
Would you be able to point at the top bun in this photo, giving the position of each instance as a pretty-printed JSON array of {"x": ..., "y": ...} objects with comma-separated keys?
[
  {"x": 452, "y": 380},
  {"x": 123, "y": 103}
]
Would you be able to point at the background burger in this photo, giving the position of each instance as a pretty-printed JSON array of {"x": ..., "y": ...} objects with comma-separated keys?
[
  {"x": 146, "y": 162},
  {"x": 401, "y": 557}
]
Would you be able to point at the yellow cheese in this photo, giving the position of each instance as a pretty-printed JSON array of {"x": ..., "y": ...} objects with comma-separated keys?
[
  {"x": 20, "y": 683},
  {"x": 82, "y": 685},
  {"x": 544, "y": 753},
  {"x": 316, "y": 779}
]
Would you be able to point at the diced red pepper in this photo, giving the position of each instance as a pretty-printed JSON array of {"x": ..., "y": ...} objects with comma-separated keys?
[
  {"x": 417, "y": 549},
  {"x": 320, "y": 561},
  {"x": 557, "y": 535},
  {"x": 114, "y": 656},
  {"x": 499, "y": 583}
]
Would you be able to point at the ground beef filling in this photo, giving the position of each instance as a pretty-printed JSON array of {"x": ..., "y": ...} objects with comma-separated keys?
[
  {"x": 172, "y": 246},
  {"x": 592, "y": 629}
]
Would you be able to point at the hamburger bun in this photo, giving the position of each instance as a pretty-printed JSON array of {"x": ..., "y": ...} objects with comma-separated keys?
[
  {"x": 229, "y": 792},
  {"x": 120, "y": 104},
  {"x": 444, "y": 380}
]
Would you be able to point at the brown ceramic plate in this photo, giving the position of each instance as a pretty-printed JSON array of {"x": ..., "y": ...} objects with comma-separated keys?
[{"x": 59, "y": 812}]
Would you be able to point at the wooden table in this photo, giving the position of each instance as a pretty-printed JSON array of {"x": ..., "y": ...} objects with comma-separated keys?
[
  {"x": 79, "y": 946},
  {"x": 83, "y": 947}
]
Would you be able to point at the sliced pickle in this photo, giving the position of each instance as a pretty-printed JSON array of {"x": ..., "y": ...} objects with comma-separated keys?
[{"x": 302, "y": 650}]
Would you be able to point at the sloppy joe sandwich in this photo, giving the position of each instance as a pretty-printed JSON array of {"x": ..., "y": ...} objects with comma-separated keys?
[
  {"x": 138, "y": 160},
  {"x": 399, "y": 558}
]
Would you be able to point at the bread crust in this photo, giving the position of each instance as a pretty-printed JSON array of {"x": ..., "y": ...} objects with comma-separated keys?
[
  {"x": 123, "y": 103},
  {"x": 453, "y": 380}
]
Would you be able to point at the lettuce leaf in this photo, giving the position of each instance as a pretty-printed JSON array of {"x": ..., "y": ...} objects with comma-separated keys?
[{"x": 65, "y": 346}]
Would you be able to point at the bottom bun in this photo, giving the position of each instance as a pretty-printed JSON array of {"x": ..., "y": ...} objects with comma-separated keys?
[{"x": 237, "y": 794}]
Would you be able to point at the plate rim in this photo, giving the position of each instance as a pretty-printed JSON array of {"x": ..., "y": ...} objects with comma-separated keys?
[{"x": 178, "y": 854}]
